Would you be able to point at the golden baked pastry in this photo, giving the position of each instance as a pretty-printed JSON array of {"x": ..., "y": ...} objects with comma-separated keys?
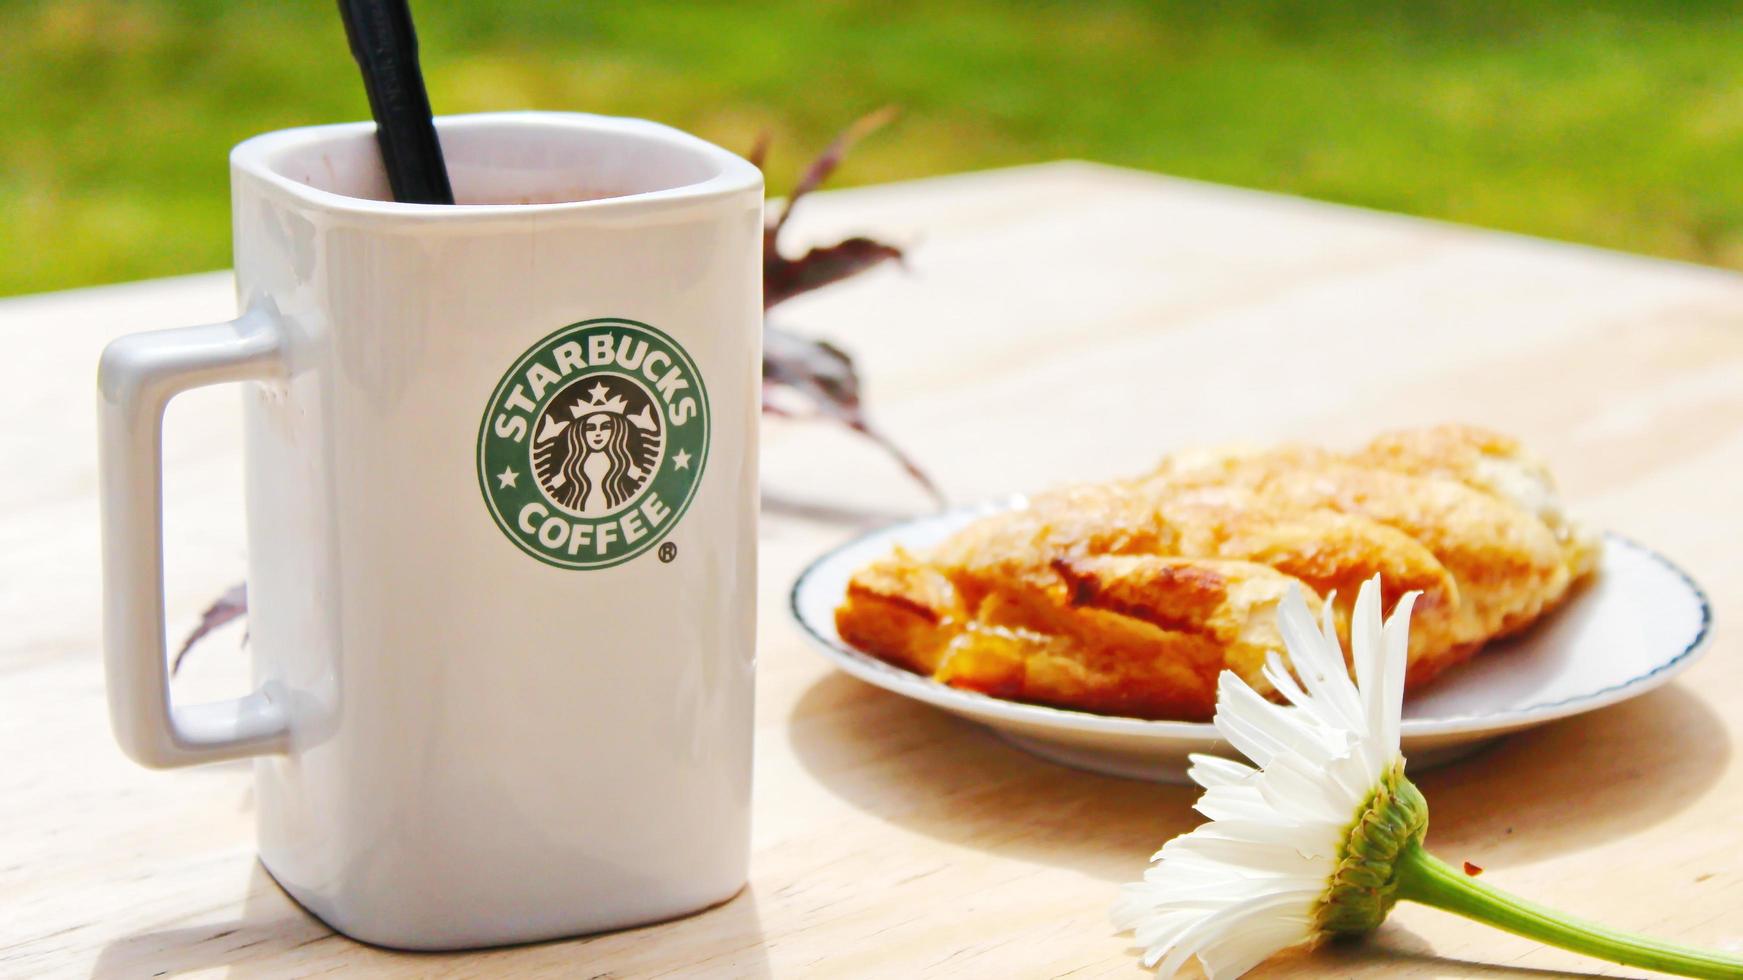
[{"x": 1130, "y": 597}]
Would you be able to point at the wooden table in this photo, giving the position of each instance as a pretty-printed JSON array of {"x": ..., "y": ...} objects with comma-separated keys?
[{"x": 1058, "y": 322}]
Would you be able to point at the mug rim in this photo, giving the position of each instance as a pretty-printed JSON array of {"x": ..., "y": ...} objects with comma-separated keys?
[{"x": 731, "y": 173}]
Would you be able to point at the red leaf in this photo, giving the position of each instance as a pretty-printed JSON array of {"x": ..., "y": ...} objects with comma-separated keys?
[
  {"x": 759, "y": 151},
  {"x": 784, "y": 278},
  {"x": 828, "y": 160},
  {"x": 232, "y": 604},
  {"x": 823, "y": 376}
]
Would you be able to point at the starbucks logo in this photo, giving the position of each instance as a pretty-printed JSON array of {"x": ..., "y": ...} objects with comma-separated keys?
[{"x": 593, "y": 443}]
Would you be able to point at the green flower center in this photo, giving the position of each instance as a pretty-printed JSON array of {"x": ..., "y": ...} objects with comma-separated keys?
[{"x": 1364, "y": 886}]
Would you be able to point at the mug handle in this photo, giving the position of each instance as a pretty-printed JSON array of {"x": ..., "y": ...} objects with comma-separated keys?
[{"x": 137, "y": 376}]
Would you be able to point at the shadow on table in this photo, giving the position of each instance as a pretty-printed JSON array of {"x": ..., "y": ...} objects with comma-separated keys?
[
  {"x": 1629, "y": 767},
  {"x": 953, "y": 780},
  {"x": 271, "y": 924},
  {"x": 1396, "y": 949},
  {"x": 1578, "y": 782},
  {"x": 275, "y": 937}
]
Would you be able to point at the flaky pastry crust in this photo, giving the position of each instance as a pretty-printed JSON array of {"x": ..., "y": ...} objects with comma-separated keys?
[{"x": 1130, "y": 597}]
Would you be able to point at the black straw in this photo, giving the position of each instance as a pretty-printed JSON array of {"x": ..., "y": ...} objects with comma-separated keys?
[{"x": 386, "y": 48}]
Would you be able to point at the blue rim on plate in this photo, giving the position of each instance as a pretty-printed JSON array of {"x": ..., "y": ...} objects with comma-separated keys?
[{"x": 896, "y": 679}]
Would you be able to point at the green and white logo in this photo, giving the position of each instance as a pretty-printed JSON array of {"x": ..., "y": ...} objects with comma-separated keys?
[{"x": 593, "y": 443}]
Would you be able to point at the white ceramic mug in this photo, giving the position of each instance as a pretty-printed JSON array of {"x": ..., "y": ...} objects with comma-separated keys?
[{"x": 501, "y": 479}]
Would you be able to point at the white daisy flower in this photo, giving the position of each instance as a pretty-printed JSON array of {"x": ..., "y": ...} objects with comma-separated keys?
[{"x": 1322, "y": 834}]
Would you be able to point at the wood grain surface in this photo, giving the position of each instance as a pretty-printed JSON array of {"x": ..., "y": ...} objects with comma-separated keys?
[{"x": 1055, "y": 323}]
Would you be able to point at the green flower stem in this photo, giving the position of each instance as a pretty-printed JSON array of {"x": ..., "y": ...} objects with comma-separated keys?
[{"x": 1426, "y": 879}]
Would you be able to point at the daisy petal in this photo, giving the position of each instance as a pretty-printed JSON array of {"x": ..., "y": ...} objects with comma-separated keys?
[
  {"x": 1318, "y": 660},
  {"x": 1396, "y": 638},
  {"x": 1214, "y": 929},
  {"x": 1368, "y": 649},
  {"x": 1211, "y": 771},
  {"x": 1238, "y": 953}
]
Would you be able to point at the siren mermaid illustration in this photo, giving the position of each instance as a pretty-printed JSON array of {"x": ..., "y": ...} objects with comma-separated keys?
[{"x": 596, "y": 449}]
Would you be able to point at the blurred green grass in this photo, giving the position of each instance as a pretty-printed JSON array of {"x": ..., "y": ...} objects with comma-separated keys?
[{"x": 1613, "y": 122}]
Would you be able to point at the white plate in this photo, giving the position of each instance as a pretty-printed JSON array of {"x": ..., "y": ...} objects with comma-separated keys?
[{"x": 1639, "y": 623}]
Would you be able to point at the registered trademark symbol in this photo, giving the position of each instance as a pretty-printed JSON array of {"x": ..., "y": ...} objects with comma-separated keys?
[{"x": 668, "y": 552}]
